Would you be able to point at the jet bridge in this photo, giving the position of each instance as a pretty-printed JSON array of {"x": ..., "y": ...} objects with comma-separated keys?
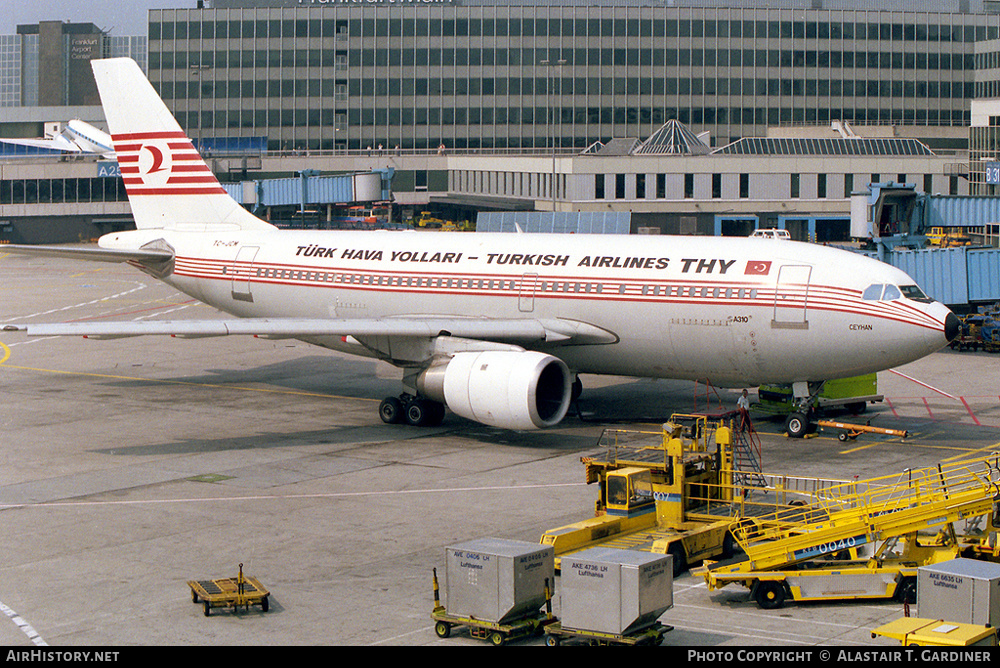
[{"x": 885, "y": 214}]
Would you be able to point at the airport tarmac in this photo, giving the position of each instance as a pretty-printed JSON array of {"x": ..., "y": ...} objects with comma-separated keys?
[{"x": 133, "y": 466}]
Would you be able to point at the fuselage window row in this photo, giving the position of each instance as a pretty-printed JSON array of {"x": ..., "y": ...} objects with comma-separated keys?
[{"x": 511, "y": 285}]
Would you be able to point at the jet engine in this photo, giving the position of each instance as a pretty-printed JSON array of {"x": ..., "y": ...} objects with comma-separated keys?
[{"x": 507, "y": 389}]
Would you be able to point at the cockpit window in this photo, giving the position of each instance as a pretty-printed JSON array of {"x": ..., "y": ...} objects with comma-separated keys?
[
  {"x": 891, "y": 292},
  {"x": 915, "y": 293},
  {"x": 873, "y": 292},
  {"x": 883, "y": 292}
]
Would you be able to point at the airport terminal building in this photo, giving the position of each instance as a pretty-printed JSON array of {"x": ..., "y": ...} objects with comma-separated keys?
[{"x": 513, "y": 74}]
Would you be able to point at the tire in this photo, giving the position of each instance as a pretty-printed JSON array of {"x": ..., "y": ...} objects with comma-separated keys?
[
  {"x": 417, "y": 413},
  {"x": 435, "y": 413},
  {"x": 208, "y": 608},
  {"x": 552, "y": 641},
  {"x": 906, "y": 590},
  {"x": 264, "y": 605},
  {"x": 797, "y": 425},
  {"x": 842, "y": 437},
  {"x": 676, "y": 550},
  {"x": 728, "y": 546},
  {"x": 770, "y": 594},
  {"x": 497, "y": 639},
  {"x": 442, "y": 629},
  {"x": 391, "y": 410}
]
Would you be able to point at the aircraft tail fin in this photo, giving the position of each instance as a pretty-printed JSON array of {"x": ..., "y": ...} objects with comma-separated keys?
[{"x": 167, "y": 181}]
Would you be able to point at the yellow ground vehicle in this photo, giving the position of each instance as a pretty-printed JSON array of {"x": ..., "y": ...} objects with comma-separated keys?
[
  {"x": 853, "y": 394},
  {"x": 937, "y": 632},
  {"x": 947, "y": 237},
  {"x": 234, "y": 593},
  {"x": 678, "y": 491},
  {"x": 427, "y": 220},
  {"x": 862, "y": 539}
]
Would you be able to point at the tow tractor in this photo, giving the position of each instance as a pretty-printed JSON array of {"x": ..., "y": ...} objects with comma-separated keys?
[
  {"x": 678, "y": 491},
  {"x": 861, "y": 539}
]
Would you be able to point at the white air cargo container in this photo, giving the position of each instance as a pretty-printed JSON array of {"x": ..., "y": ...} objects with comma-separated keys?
[
  {"x": 965, "y": 591},
  {"x": 604, "y": 590},
  {"x": 496, "y": 580}
]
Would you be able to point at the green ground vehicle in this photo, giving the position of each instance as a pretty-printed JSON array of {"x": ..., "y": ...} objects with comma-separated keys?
[{"x": 853, "y": 394}]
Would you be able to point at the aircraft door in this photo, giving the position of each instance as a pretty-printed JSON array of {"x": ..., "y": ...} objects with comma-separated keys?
[
  {"x": 526, "y": 295},
  {"x": 241, "y": 271},
  {"x": 791, "y": 297}
]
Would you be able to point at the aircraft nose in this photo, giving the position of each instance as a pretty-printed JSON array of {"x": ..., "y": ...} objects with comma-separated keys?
[{"x": 951, "y": 326}]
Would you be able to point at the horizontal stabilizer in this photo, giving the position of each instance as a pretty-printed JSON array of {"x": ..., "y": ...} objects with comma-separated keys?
[
  {"x": 93, "y": 254},
  {"x": 561, "y": 331}
]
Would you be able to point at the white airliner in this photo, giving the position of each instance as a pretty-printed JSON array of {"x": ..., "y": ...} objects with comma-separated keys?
[
  {"x": 496, "y": 326},
  {"x": 76, "y": 137}
]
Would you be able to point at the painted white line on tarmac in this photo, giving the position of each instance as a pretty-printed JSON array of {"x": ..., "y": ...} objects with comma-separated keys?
[
  {"x": 279, "y": 497},
  {"x": 25, "y": 627}
]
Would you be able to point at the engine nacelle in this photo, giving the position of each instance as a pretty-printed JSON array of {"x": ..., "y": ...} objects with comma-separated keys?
[{"x": 507, "y": 389}]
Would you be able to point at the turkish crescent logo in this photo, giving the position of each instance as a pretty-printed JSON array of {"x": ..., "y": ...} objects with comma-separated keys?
[{"x": 157, "y": 154}]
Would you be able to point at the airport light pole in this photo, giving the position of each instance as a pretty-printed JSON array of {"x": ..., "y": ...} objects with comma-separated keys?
[{"x": 550, "y": 111}]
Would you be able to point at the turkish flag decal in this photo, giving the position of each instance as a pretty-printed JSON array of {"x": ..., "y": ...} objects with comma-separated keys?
[{"x": 758, "y": 267}]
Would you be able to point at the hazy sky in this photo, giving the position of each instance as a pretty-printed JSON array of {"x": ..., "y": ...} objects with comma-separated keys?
[{"x": 124, "y": 17}]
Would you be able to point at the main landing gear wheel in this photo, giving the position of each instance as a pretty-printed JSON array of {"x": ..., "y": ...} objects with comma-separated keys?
[
  {"x": 424, "y": 413},
  {"x": 412, "y": 411},
  {"x": 391, "y": 410}
]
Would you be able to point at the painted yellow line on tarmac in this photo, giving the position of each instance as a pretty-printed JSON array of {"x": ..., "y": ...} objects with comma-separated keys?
[
  {"x": 5, "y": 352},
  {"x": 912, "y": 444},
  {"x": 176, "y": 382},
  {"x": 985, "y": 450},
  {"x": 859, "y": 448}
]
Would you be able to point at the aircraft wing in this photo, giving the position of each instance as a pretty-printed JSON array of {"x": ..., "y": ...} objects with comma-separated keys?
[
  {"x": 426, "y": 327},
  {"x": 59, "y": 143}
]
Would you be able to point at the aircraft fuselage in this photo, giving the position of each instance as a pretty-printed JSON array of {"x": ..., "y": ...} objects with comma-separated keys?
[{"x": 734, "y": 311}]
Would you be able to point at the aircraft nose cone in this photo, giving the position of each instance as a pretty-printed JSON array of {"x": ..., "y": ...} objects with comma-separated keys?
[{"x": 951, "y": 326}]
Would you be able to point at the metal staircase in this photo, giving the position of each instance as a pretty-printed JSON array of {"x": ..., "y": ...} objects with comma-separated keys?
[{"x": 747, "y": 469}]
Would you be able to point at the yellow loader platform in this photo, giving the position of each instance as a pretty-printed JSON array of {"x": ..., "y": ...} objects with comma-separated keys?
[
  {"x": 937, "y": 632},
  {"x": 815, "y": 552},
  {"x": 239, "y": 592}
]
